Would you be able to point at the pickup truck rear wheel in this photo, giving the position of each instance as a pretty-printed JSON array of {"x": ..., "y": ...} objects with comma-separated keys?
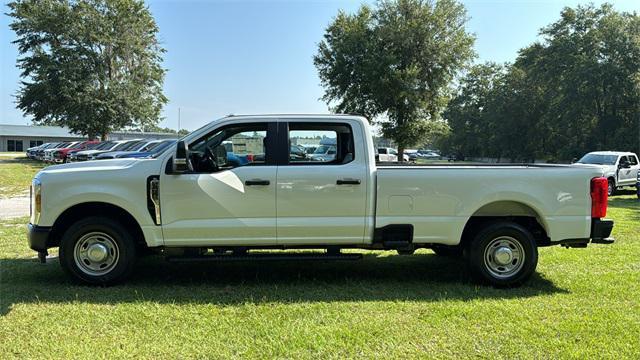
[
  {"x": 503, "y": 254},
  {"x": 97, "y": 250}
]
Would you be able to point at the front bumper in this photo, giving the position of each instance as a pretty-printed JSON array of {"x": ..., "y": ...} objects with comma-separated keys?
[{"x": 39, "y": 237}]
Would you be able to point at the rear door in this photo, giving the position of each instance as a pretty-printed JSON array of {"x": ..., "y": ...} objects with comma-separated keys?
[{"x": 321, "y": 200}]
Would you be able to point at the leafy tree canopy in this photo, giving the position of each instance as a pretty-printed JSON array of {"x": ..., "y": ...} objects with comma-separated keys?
[
  {"x": 90, "y": 65},
  {"x": 578, "y": 90},
  {"x": 395, "y": 60}
]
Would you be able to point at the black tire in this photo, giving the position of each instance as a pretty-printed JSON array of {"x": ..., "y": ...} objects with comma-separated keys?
[
  {"x": 611, "y": 189},
  {"x": 508, "y": 238},
  {"x": 447, "y": 251},
  {"x": 108, "y": 238}
]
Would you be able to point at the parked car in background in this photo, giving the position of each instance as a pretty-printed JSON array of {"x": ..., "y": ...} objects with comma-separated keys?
[
  {"x": 83, "y": 155},
  {"x": 134, "y": 146},
  {"x": 430, "y": 155},
  {"x": 412, "y": 154},
  {"x": 385, "y": 154},
  {"x": 103, "y": 147},
  {"x": 297, "y": 152},
  {"x": 31, "y": 152},
  {"x": 620, "y": 168},
  {"x": 153, "y": 150},
  {"x": 324, "y": 153},
  {"x": 638, "y": 185},
  {"x": 40, "y": 152},
  {"x": 309, "y": 149},
  {"x": 88, "y": 147},
  {"x": 62, "y": 155}
]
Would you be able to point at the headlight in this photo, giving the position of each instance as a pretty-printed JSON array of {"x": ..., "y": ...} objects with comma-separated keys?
[{"x": 36, "y": 200}]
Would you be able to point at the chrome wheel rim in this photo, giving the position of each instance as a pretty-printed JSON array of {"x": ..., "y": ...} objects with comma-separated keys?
[
  {"x": 503, "y": 257},
  {"x": 96, "y": 253},
  {"x": 610, "y": 189}
]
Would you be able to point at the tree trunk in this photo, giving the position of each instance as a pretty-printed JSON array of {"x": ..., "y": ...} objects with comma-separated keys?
[
  {"x": 400, "y": 153},
  {"x": 103, "y": 137}
]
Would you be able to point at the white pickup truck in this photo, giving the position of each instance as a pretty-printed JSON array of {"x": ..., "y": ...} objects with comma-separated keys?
[
  {"x": 620, "y": 168},
  {"x": 197, "y": 201}
]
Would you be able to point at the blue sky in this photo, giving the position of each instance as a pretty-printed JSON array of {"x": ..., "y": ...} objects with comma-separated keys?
[{"x": 256, "y": 56}]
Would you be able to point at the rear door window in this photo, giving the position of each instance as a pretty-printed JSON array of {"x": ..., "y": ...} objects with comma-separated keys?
[{"x": 333, "y": 143}]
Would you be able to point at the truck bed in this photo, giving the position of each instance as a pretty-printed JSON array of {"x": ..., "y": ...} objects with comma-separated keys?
[{"x": 439, "y": 199}]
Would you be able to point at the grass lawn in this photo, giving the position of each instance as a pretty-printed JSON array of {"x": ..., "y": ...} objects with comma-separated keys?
[
  {"x": 581, "y": 303},
  {"x": 16, "y": 172}
]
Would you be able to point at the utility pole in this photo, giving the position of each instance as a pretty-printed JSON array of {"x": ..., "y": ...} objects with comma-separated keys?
[{"x": 178, "y": 119}]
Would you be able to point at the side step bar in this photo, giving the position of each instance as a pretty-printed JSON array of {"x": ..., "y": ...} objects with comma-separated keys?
[{"x": 265, "y": 257}]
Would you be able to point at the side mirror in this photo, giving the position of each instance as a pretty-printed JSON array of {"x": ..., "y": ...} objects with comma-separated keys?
[
  {"x": 220, "y": 153},
  {"x": 625, "y": 165},
  {"x": 180, "y": 160}
]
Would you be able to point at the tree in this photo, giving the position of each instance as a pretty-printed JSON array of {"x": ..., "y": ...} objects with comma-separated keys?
[
  {"x": 156, "y": 128},
  {"x": 577, "y": 90},
  {"x": 466, "y": 113},
  {"x": 90, "y": 65},
  {"x": 396, "y": 61}
]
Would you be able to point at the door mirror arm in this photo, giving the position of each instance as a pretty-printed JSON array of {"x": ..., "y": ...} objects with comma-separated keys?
[{"x": 180, "y": 164}]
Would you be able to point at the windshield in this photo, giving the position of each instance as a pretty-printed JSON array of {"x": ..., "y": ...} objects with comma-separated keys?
[
  {"x": 105, "y": 145},
  {"x": 150, "y": 146},
  {"x": 158, "y": 150},
  {"x": 124, "y": 146},
  {"x": 136, "y": 146},
  {"x": 598, "y": 159}
]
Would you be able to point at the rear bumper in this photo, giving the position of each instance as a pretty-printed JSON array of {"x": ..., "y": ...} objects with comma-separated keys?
[
  {"x": 601, "y": 231},
  {"x": 39, "y": 237},
  {"x": 600, "y": 234}
]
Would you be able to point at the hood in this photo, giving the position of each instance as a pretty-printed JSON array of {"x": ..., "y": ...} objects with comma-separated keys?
[
  {"x": 106, "y": 165},
  {"x": 113, "y": 154},
  {"x": 87, "y": 152},
  {"x": 606, "y": 169}
]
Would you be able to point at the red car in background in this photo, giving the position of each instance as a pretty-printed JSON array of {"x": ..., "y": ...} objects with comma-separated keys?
[{"x": 61, "y": 155}]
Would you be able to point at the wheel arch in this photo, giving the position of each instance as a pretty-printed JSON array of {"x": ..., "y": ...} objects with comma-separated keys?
[
  {"x": 96, "y": 208},
  {"x": 509, "y": 210}
]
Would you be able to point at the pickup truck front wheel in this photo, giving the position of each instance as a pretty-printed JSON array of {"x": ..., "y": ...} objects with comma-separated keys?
[
  {"x": 503, "y": 254},
  {"x": 611, "y": 188},
  {"x": 97, "y": 250}
]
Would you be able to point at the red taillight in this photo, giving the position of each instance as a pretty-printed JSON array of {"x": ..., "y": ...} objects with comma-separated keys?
[
  {"x": 599, "y": 187},
  {"x": 250, "y": 157}
]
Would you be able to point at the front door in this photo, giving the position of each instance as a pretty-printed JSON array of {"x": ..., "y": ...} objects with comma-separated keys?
[
  {"x": 223, "y": 204},
  {"x": 321, "y": 197}
]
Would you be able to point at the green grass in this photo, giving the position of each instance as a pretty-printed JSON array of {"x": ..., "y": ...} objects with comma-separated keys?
[
  {"x": 581, "y": 303},
  {"x": 16, "y": 172}
]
